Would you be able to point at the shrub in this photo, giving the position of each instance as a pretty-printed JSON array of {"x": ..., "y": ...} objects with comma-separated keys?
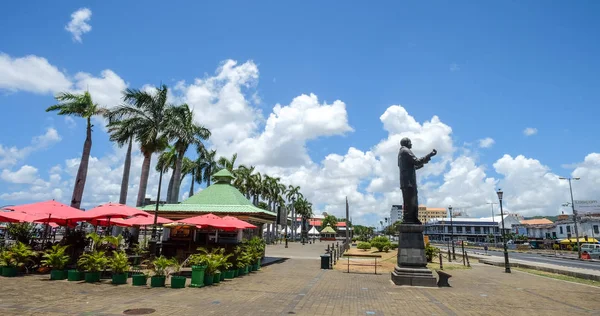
[
  {"x": 380, "y": 242},
  {"x": 354, "y": 239},
  {"x": 394, "y": 245},
  {"x": 386, "y": 248},
  {"x": 55, "y": 257},
  {"x": 556, "y": 247},
  {"x": 93, "y": 261},
  {"x": 431, "y": 252},
  {"x": 364, "y": 245},
  {"x": 119, "y": 262}
]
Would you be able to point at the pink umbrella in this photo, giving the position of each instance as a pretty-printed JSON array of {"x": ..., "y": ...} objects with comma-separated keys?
[
  {"x": 16, "y": 217},
  {"x": 209, "y": 220},
  {"x": 48, "y": 211},
  {"x": 240, "y": 223},
  {"x": 112, "y": 210}
]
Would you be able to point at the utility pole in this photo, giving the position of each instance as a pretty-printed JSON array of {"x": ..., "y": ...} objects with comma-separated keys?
[
  {"x": 493, "y": 232},
  {"x": 574, "y": 215}
]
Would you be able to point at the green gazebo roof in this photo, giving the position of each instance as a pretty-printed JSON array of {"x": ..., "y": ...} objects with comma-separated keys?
[
  {"x": 328, "y": 230},
  {"x": 220, "y": 197}
]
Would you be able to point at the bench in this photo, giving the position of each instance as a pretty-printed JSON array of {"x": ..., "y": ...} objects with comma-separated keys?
[
  {"x": 443, "y": 281},
  {"x": 360, "y": 255}
]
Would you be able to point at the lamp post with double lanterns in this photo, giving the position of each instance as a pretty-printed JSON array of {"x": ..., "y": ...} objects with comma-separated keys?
[
  {"x": 451, "y": 233},
  {"x": 506, "y": 263}
]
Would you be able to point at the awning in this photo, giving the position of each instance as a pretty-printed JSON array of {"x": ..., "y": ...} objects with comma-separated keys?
[{"x": 581, "y": 240}]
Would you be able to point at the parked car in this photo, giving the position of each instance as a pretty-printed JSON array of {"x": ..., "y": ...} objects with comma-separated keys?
[{"x": 591, "y": 249}]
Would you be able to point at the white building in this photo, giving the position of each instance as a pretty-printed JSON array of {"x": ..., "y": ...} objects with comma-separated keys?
[
  {"x": 563, "y": 228},
  {"x": 395, "y": 213},
  {"x": 469, "y": 229}
]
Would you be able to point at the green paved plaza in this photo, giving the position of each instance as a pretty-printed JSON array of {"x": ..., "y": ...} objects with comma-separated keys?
[{"x": 297, "y": 286}]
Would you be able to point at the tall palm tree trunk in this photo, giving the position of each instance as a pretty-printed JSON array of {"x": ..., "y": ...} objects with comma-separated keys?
[
  {"x": 170, "y": 189},
  {"x": 208, "y": 178},
  {"x": 192, "y": 185},
  {"x": 144, "y": 179},
  {"x": 126, "y": 170},
  {"x": 83, "y": 168},
  {"x": 177, "y": 174}
]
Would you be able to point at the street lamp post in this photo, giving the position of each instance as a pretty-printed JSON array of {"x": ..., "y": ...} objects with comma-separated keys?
[
  {"x": 452, "y": 232},
  {"x": 493, "y": 233},
  {"x": 506, "y": 263},
  {"x": 152, "y": 243},
  {"x": 574, "y": 215}
]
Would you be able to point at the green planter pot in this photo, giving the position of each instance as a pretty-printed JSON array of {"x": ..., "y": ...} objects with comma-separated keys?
[
  {"x": 139, "y": 280},
  {"x": 236, "y": 273},
  {"x": 222, "y": 276},
  {"x": 92, "y": 277},
  {"x": 158, "y": 281},
  {"x": 258, "y": 264},
  {"x": 217, "y": 277},
  {"x": 178, "y": 282},
  {"x": 208, "y": 279},
  {"x": 1, "y": 267},
  {"x": 9, "y": 272},
  {"x": 247, "y": 270},
  {"x": 119, "y": 278},
  {"x": 197, "y": 276},
  {"x": 58, "y": 274},
  {"x": 241, "y": 271},
  {"x": 228, "y": 274},
  {"x": 255, "y": 267},
  {"x": 74, "y": 275}
]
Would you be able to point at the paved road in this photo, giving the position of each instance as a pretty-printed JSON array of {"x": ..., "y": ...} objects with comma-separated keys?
[{"x": 539, "y": 258}]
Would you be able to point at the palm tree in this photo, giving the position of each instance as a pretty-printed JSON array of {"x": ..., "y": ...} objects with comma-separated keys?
[
  {"x": 166, "y": 161},
  {"x": 225, "y": 163},
  {"x": 293, "y": 193},
  {"x": 122, "y": 134},
  {"x": 80, "y": 105},
  {"x": 208, "y": 165},
  {"x": 146, "y": 113},
  {"x": 185, "y": 132},
  {"x": 189, "y": 166},
  {"x": 304, "y": 209}
]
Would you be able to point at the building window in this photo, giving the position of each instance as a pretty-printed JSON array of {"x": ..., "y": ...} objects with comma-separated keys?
[
  {"x": 568, "y": 229},
  {"x": 547, "y": 235},
  {"x": 561, "y": 229},
  {"x": 459, "y": 229},
  {"x": 554, "y": 235},
  {"x": 596, "y": 229},
  {"x": 477, "y": 230},
  {"x": 468, "y": 229}
]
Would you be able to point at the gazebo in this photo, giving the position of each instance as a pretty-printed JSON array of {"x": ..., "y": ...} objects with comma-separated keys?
[
  {"x": 221, "y": 199},
  {"x": 328, "y": 233}
]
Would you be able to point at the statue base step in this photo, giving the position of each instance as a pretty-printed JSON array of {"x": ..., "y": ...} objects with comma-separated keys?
[{"x": 413, "y": 277}]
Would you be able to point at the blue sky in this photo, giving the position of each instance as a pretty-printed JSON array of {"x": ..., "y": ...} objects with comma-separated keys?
[{"x": 485, "y": 69}]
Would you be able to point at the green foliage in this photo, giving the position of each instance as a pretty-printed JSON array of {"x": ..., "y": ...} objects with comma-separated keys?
[
  {"x": 255, "y": 247},
  {"x": 21, "y": 254},
  {"x": 354, "y": 239},
  {"x": 330, "y": 220},
  {"x": 93, "y": 261},
  {"x": 161, "y": 265},
  {"x": 386, "y": 248},
  {"x": 6, "y": 258},
  {"x": 263, "y": 205},
  {"x": 363, "y": 245},
  {"x": 55, "y": 257},
  {"x": 140, "y": 249},
  {"x": 215, "y": 261},
  {"x": 431, "y": 252},
  {"x": 380, "y": 242},
  {"x": 119, "y": 262},
  {"x": 556, "y": 246},
  {"x": 22, "y": 232},
  {"x": 394, "y": 245},
  {"x": 242, "y": 257}
]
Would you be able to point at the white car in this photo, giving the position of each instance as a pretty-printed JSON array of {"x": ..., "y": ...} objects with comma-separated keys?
[{"x": 591, "y": 249}]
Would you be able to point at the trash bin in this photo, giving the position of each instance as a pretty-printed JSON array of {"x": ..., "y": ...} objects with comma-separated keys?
[{"x": 325, "y": 261}]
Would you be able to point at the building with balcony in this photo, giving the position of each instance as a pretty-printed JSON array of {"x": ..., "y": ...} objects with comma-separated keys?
[{"x": 469, "y": 229}]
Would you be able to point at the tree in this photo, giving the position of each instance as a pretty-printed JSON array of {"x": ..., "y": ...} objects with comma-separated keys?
[
  {"x": 330, "y": 220},
  {"x": 228, "y": 164},
  {"x": 208, "y": 165},
  {"x": 189, "y": 167},
  {"x": 146, "y": 113},
  {"x": 80, "y": 105},
  {"x": 166, "y": 161},
  {"x": 121, "y": 134},
  {"x": 182, "y": 128}
]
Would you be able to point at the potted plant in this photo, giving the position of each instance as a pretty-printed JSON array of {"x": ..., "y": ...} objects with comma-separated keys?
[
  {"x": 229, "y": 267},
  {"x": 198, "y": 268},
  {"x": 21, "y": 254},
  {"x": 177, "y": 281},
  {"x": 92, "y": 263},
  {"x": 56, "y": 258},
  {"x": 257, "y": 248},
  {"x": 139, "y": 279},
  {"x": 160, "y": 268},
  {"x": 240, "y": 261},
  {"x": 119, "y": 265},
  {"x": 7, "y": 264}
]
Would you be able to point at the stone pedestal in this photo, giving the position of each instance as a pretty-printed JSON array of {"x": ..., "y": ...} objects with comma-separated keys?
[{"x": 411, "y": 268}]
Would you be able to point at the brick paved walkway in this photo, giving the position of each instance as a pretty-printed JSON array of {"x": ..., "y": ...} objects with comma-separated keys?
[{"x": 298, "y": 286}]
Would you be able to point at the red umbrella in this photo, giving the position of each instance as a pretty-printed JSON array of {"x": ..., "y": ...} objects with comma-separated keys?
[
  {"x": 48, "y": 211},
  {"x": 209, "y": 220},
  {"x": 240, "y": 223},
  {"x": 16, "y": 217},
  {"x": 108, "y": 222},
  {"x": 111, "y": 211},
  {"x": 144, "y": 221}
]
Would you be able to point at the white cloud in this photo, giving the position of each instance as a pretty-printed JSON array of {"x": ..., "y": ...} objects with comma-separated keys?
[
  {"x": 32, "y": 74},
  {"x": 79, "y": 23},
  {"x": 530, "y": 131},
  {"x": 10, "y": 156},
  {"x": 454, "y": 67},
  {"x": 486, "y": 142},
  {"x": 26, "y": 174},
  {"x": 70, "y": 122}
]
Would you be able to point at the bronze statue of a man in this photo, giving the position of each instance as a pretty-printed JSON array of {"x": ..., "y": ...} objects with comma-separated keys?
[{"x": 409, "y": 163}]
